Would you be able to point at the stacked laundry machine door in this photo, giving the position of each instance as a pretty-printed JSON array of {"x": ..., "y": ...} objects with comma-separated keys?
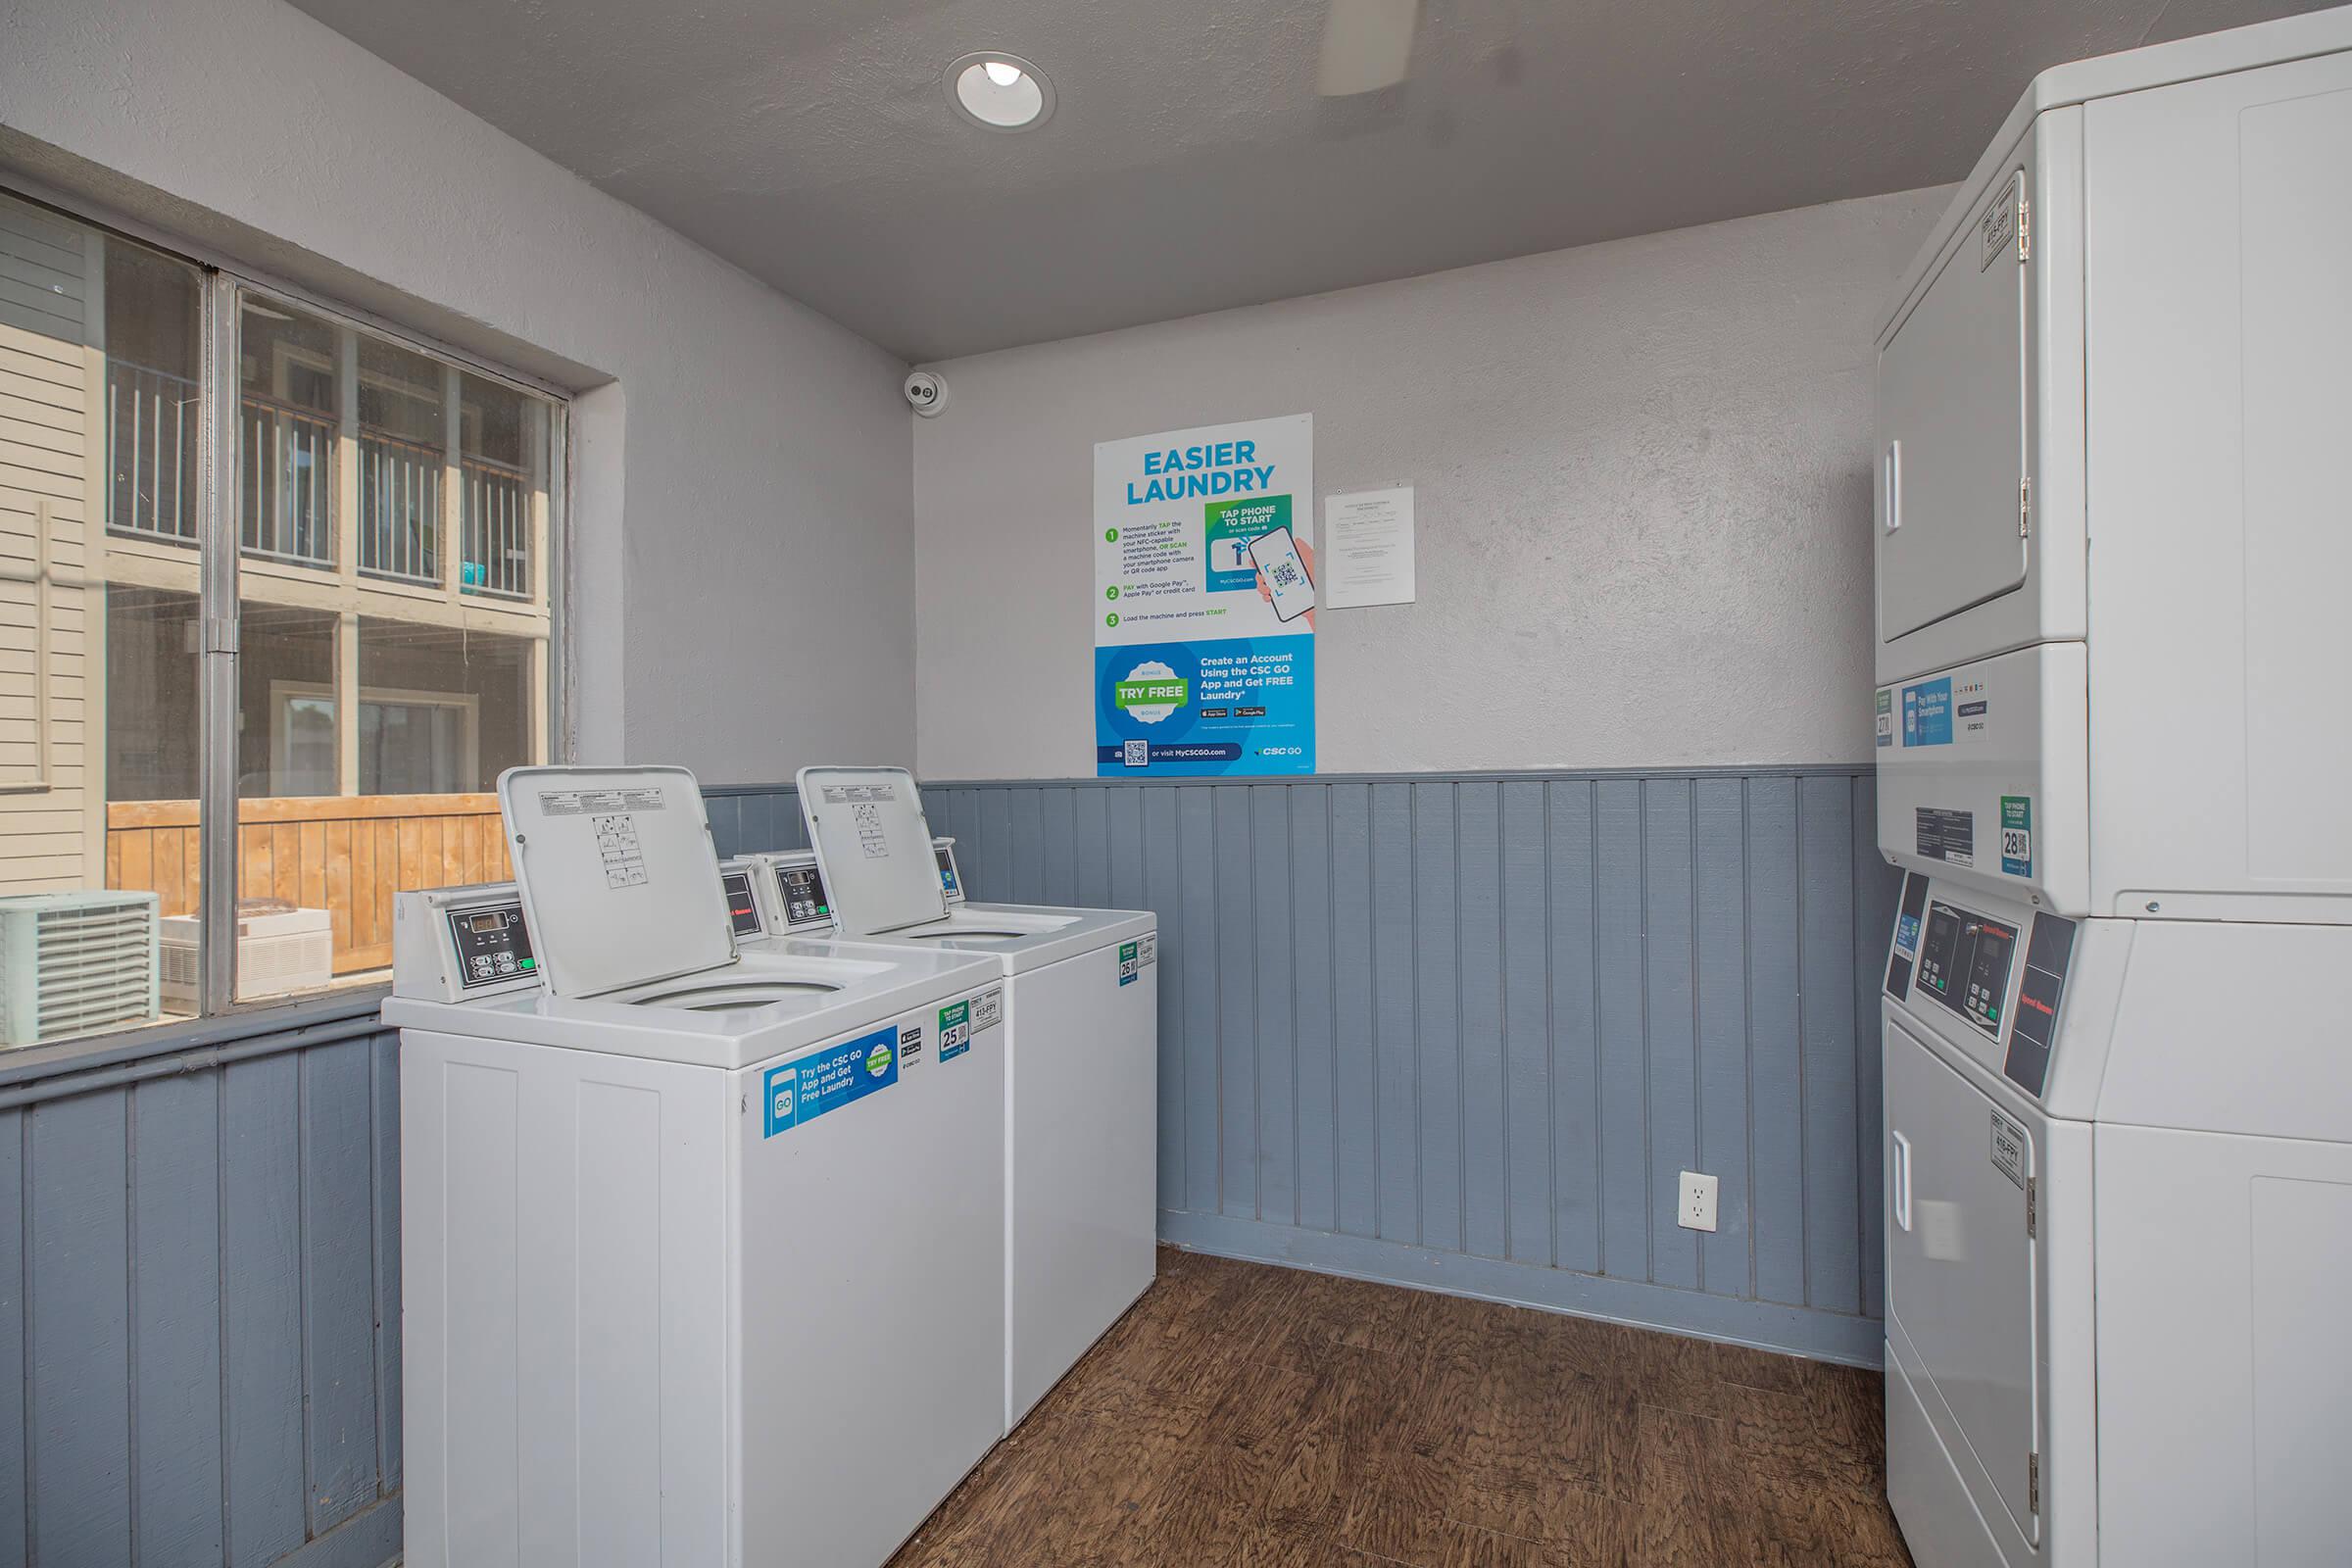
[{"x": 2115, "y": 763}]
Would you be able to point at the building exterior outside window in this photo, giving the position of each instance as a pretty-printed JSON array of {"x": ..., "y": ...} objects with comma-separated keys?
[{"x": 393, "y": 516}]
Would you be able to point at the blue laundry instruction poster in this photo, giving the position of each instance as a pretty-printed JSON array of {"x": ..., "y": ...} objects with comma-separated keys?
[{"x": 1205, "y": 600}]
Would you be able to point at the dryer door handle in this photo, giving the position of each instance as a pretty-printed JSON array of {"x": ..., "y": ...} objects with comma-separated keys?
[
  {"x": 1891, "y": 491},
  {"x": 1898, "y": 1177}
]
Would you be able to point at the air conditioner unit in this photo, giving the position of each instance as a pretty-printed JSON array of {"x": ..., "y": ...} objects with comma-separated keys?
[
  {"x": 73, "y": 963},
  {"x": 281, "y": 949}
]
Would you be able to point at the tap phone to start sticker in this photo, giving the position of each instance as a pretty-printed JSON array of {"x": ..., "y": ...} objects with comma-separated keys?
[{"x": 1277, "y": 556}]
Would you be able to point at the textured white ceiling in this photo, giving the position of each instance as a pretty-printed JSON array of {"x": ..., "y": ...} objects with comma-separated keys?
[{"x": 1188, "y": 164}]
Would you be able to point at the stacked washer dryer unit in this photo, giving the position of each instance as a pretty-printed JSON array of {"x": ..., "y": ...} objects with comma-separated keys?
[
  {"x": 694, "y": 1269},
  {"x": 2112, "y": 544},
  {"x": 1081, "y": 1014}
]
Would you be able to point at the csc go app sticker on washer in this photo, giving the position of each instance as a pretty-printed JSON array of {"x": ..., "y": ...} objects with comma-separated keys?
[{"x": 800, "y": 1091}]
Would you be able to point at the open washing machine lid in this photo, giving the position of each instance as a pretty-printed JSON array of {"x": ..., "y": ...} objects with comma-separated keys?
[
  {"x": 989, "y": 925},
  {"x": 620, "y": 879},
  {"x": 874, "y": 848}
]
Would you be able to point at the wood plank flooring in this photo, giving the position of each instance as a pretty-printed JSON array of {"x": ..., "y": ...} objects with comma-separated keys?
[{"x": 1267, "y": 1418}]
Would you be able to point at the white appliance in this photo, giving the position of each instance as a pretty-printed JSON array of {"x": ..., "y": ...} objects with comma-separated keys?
[
  {"x": 1081, "y": 1016},
  {"x": 75, "y": 963},
  {"x": 2111, "y": 536},
  {"x": 282, "y": 950},
  {"x": 702, "y": 1257}
]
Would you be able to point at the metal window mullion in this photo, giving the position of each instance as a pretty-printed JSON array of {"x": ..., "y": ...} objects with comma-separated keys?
[{"x": 216, "y": 671}]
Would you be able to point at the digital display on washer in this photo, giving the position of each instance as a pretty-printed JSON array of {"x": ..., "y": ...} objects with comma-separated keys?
[
  {"x": 1964, "y": 962},
  {"x": 947, "y": 870},
  {"x": 805, "y": 902},
  {"x": 492, "y": 943},
  {"x": 743, "y": 910}
]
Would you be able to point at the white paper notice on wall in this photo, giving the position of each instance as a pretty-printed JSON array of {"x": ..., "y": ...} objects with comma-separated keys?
[{"x": 1368, "y": 549}]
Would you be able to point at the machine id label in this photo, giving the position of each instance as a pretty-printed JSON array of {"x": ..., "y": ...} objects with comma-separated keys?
[
  {"x": 955, "y": 1030},
  {"x": 2009, "y": 1149},
  {"x": 1151, "y": 947},
  {"x": 799, "y": 1091},
  {"x": 1886, "y": 717},
  {"x": 1129, "y": 965},
  {"x": 988, "y": 1008}
]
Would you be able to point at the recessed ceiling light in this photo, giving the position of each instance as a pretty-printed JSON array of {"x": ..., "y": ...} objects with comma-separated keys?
[{"x": 997, "y": 91}]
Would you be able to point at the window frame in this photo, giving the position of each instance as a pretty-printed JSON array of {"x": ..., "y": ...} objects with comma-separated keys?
[{"x": 226, "y": 283}]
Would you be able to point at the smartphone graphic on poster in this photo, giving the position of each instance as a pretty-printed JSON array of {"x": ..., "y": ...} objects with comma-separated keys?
[{"x": 1276, "y": 554}]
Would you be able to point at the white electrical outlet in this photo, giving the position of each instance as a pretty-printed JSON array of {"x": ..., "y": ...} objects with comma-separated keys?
[{"x": 1697, "y": 1211}]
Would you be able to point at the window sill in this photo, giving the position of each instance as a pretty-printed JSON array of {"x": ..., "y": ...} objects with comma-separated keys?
[{"x": 34, "y": 1072}]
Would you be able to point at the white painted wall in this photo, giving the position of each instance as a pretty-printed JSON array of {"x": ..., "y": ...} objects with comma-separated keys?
[
  {"x": 743, "y": 531},
  {"x": 1644, "y": 475}
]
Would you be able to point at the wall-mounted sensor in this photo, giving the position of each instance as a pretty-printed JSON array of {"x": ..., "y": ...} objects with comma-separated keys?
[{"x": 926, "y": 394}]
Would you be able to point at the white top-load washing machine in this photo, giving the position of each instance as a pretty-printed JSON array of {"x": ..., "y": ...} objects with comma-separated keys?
[
  {"x": 2114, "y": 758},
  {"x": 702, "y": 1256},
  {"x": 1081, "y": 1018}
]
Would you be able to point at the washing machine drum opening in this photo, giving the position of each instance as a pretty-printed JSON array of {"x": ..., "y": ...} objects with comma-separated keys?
[{"x": 740, "y": 997}]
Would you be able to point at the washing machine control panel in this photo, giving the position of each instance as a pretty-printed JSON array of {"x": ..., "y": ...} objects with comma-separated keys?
[
  {"x": 492, "y": 945},
  {"x": 950, "y": 885},
  {"x": 802, "y": 890},
  {"x": 2003, "y": 977},
  {"x": 743, "y": 905}
]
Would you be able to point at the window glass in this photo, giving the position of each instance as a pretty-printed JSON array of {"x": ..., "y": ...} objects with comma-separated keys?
[
  {"x": 289, "y": 374},
  {"x": 100, "y": 364},
  {"x": 391, "y": 512},
  {"x": 393, "y": 667}
]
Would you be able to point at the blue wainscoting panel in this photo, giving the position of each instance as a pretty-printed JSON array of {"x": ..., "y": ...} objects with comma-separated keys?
[
  {"x": 1467, "y": 1031},
  {"x": 198, "y": 1277}
]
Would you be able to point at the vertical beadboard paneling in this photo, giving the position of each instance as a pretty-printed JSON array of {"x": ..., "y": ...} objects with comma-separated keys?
[
  {"x": 1195, "y": 969},
  {"x": 175, "y": 1317},
  {"x": 1523, "y": 919},
  {"x": 1233, "y": 863},
  {"x": 1314, "y": 981},
  {"x": 1776, "y": 1117},
  {"x": 338, "y": 1281},
  {"x": 192, "y": 1275},
  {"x": 1435, "y": 1019},
  {"x": 1498, "y": 1016},
  {"x": 1356, "y": 1039},
  {"x": 1573, "y": 895},
  {"x": 1827, "y": 943},
  {"x": 1478, "y": 962},
  {"x": 1163, "y": 897},
  {"x": 1719, "y": 903},
  {"x": 1396, "y": 1131},
  {"x": 1623, "y": 1134},
  {"x": 384, "y": 1134},
  {"x": 1669, "y": 1044},
  {"x": 261, "y": 1267},
  {"x": 1274, "y": 953},
  {"x": 78, "y": 1371}
]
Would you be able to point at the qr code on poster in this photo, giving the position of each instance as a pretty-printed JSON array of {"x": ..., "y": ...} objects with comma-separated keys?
[{"x": 1137, "y": 753}]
